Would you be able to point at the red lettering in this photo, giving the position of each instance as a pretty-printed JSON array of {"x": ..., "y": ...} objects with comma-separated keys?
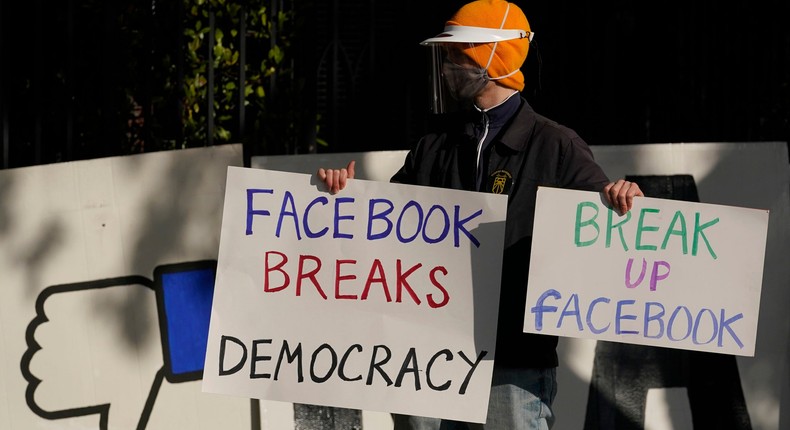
[
  {"x": 403, "y": 283},
  {"x": 309, "y": 274},
  {"x": 278, "y": 270},
  {"x": 278, "y": 267},
  {"x": 435, "y": 282},
  {"x": 376, "y": 269},
  {"x": 339, "y": 277}
]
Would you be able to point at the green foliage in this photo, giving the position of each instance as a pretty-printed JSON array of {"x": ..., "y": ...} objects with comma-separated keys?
[
  {"x": 267, "y": 64},
  {"x": 132, "y": 77}
]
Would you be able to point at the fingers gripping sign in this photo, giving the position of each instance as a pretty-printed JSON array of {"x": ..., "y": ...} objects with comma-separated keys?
[
  {"x": 336, "y": 179},
  {"x": 620, "y": 195}
]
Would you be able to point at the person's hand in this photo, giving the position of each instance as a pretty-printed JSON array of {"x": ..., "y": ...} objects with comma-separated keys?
[
  {"x": 620, "y": 195},
  {"x": 335, "y": 179}
]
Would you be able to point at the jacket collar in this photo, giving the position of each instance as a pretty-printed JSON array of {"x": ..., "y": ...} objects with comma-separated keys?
[
  {"x": 516, "y": 111},
  {"x": 522, "y": 124}
]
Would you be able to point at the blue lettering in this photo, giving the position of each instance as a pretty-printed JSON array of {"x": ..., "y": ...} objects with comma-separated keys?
[
  {"x": 574, "y": 300},
  {"x": 309, "y": 233},
  {"x": 725, "y": 325},
  {"x": 672, "y": 323},
  {"x": 694, "y": 337},
  {"x": 657, "y": 317},
  {"x": 288, "y": 200},
  {"x": 700, "y": 329},
  {"x": 338, "y": 217},
  {"x": 373, "y": 215},
  {"x": 539, "y": 308},
  {"x": 445, "y": 229},
  {"x": 417, "y": 206},
  {"x": 250, "y": 212},
  {"x": 589, "y": 315},
  {"x": 619, "y": 317},
  {"x": 458, "y": 226}
]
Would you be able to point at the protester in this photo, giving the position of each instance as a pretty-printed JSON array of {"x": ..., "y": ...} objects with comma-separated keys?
[{"x": 491, "y": 140}]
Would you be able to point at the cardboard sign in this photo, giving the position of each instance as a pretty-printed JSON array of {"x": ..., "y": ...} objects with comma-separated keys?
[
  {"x": 361, "y": 299},
  {"x": 668, "y": 273}
]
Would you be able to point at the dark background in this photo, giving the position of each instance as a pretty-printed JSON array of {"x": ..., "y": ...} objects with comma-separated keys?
[{"x": 617, "y": 72}]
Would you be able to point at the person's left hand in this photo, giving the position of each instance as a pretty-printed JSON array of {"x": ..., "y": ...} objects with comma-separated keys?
[{"x": 621, "y": 195}]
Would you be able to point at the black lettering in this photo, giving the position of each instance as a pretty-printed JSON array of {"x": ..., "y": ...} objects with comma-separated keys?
[
  {"x": 342, "y": 366},
  {"x": 297, "y": 354},
  {"x": 471, "y": 370},
  {"x": 324, "y": 378},
  {"x": 377, "y": 365},
  {"x": 446, "y": 385},
  {"x": 256, "y": 358},
  {"x": 409, "y": 366},
  {"x": 239, "y": 365}
]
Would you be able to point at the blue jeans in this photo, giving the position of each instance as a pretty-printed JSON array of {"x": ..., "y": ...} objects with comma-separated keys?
[{"x": 520, "y": 400}]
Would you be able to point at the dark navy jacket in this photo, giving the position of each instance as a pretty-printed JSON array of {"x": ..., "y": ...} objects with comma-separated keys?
[{"x": 529, "y": 151}]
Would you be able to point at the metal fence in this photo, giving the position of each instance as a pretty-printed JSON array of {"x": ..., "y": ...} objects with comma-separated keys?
[
  {"x": 86, "y": 79},
  {"x": 617, "y": 74}
]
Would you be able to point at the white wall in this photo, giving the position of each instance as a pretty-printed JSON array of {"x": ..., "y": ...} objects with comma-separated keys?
[
  {"x": 79, "y": 224},
  {"x": 82, "y": 241}
]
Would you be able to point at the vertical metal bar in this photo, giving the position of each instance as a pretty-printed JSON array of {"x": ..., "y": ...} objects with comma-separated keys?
[
  {"x": 146, "y": 101},
  {"x": 37, "y": 82},
  {"x": 255, "y": 413},
  {"x": 210, "y": 72},
  {"x": 5, "y": 132},
  {"x": 3, "y": 104},
  {"x": 335, "y": 72},
  {"x": 372, "y": 40},
  {"x": 110, "y": 113},
  {"x": 274, "y": 10},
  {"x": 180, "y": 14},
  {"x": 242, "y": 69},
  {"x": 272, "y": 96},
  {"x": 70, "y": 81},
  {"x": 305, "y": 74}
]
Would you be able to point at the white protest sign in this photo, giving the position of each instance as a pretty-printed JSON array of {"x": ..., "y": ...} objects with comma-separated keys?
[
  {"x": 669, "y": 273},
  {"x": 361, "y": 299}
]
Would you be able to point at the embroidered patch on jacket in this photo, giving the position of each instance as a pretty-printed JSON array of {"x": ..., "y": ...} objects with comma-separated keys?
[{"x": 500, "y": 181}]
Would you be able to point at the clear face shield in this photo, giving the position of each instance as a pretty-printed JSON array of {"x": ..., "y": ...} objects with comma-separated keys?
[{"x": 455, "y": 78}]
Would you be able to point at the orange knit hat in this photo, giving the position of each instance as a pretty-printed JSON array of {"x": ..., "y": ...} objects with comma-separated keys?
[{"x": 509, "y": 55}]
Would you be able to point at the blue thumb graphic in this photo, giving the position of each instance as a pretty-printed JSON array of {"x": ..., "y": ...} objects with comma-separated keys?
[{"x": 184, "y": 293}]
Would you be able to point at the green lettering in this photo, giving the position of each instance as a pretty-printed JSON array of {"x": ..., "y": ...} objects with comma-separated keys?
[
  {"x": 618, "y": 226},
  {"x": 681, "y": 232},
  {"x": 698, "y": 232},
  {"x": 641, "y": 227},
  {"x": 590, "y": 222}
]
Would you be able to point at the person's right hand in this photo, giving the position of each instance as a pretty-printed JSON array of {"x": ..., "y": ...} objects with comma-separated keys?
[{"x": 335, "y": 179}]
